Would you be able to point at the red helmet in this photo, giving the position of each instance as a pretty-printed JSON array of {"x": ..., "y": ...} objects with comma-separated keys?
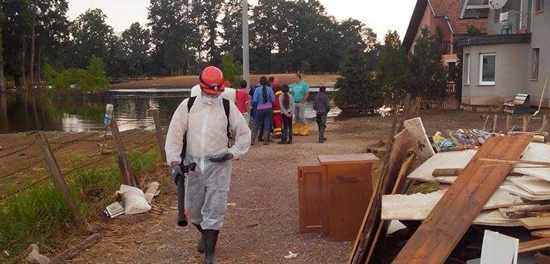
[{"x": 211, "y": 80}]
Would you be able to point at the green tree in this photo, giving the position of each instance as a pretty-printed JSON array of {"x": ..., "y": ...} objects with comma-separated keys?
[
  {"x": 136, "y": 45},
  {"x": 15, "y": 31},
  {"x": 357, "y": 93},
  {"x": 429, "y": 78},
  {"x": 2, "y": 77},
  {"x": 231, "y": 24},
  {"x": 205, "y": 16},
  {"x": 392, "y": 70},
  {"x": 90, "y": 36},
  {"x": 231, "y": 70},
  {"x": 173, "y": 36},
  {"x": 94, "y": 78}
]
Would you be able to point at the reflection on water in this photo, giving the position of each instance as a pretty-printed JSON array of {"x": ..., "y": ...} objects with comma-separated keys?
[
  {"x": 29, "y": 112},
  {"x": 26, "y": 112}
]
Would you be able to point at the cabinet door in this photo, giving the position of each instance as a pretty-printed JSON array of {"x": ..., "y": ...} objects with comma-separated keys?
[
  {"x": 350, "y": 190},
  {"x": 313, "y": 203}
]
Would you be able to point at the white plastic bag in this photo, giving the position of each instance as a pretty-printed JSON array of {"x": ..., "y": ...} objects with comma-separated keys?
[{"x": 134, "y": 200}]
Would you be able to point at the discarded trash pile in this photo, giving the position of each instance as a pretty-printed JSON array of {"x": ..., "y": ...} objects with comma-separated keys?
[{"x": 483, "y": 181}]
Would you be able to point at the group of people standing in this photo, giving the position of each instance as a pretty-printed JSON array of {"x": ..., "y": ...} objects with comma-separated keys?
[{"x": 272, "y": 107}]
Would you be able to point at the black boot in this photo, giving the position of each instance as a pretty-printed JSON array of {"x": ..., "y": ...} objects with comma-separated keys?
[
  {"x": 211, "y": 238},
  {"x": 201, "y": 244},
  {"x": 253, "y": 139},
  {"x": 266, "y": 139}
]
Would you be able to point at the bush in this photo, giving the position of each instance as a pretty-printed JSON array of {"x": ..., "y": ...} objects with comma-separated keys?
[
  {"x": 357, "y": 93},
  {"x": 92, "y": 79},
  {"x": 231, "y": 70}
]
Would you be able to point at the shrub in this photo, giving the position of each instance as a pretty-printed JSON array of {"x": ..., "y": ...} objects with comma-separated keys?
[{"x": 231, "y": 70}]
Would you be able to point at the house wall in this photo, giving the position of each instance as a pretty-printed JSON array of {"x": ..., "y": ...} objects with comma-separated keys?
[
  {"x": 540, "y": 38},
  {"x": 512, "y": 67},
  {"x": 429, "y": 20}
]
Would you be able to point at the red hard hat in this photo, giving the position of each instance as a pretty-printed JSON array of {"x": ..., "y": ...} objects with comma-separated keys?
[{"x": 211, "y": 80}]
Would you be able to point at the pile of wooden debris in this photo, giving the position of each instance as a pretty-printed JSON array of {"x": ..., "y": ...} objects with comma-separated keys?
[{"x": 499, "y": 182}]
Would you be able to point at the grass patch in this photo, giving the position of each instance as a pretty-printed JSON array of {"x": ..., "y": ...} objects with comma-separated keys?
[{"x": 39, "y": 214}]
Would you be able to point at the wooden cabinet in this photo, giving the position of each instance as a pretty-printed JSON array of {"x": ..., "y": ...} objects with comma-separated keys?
[{"x": 333, "y": 197}]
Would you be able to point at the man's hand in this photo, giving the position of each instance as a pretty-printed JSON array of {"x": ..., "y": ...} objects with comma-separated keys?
[
  {"x": 175, "y": 170},
  {"x": 221, "y": 158}
]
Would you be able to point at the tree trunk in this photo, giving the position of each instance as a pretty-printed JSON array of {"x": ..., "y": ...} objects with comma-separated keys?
[
  {"x": 39, "y": 67},
  {"x": 32, "y": 50},
  {"x": 22, "y": 64},
  {"x": 2, "y": 77}
]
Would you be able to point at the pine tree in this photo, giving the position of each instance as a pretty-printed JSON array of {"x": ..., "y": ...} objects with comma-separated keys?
[
  {"x": 392, "y": 71},
  {"x": 429, "y": 78},
  {"x": 357, "y": 93}
]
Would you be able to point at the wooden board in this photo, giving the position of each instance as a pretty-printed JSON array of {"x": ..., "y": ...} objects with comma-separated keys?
[
  {"x": 418, "y": 206},
  {"x": 438, "y": 235},
  {"x": 446, "y": 179},
  {"x": 516, "y": 190},
  {"x": 371, "y": 226},
  {"x": 313, "y": 199},
  {"x": 541, "y": 233},
  {"x": 537, "y": 244},
  {"x": 536, "y": 222},
  {"x": 422, "y": 146},
  {"x": 454, "y": 159},
  {"x": 347, "y": 159},
  {"x": 533, "y": 185},
  {"x": 536, "y": 152}
]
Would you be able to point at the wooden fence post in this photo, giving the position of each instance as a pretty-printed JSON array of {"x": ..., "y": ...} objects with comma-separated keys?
[
  {"x": 486, "y": 123},
  {"x": 58, "y": 179},
  {"x": 495, "y": 122},
  {"x": 123, "y": 162},
  {"x": 508, "y": 123},
  {"x": 525, "y": 123},
  {"x": 544, "y": 123},
  {"x": 160, "y": 137}
]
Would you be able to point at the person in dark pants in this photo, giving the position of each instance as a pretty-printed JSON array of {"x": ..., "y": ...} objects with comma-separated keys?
[
  {"x": 321, "y": 104},
  {"x": 263, "y": 98},
  {"x": 286, "y": 102}
]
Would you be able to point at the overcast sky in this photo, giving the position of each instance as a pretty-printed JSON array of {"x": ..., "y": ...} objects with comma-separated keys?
[{"x": 380, "y": 15}]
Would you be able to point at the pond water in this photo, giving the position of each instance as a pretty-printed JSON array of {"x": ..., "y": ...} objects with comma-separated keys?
[{"x": 30, "y": 112}]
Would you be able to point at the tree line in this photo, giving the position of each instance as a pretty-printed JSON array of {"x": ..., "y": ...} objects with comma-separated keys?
[{"x": 181, "y": 37}]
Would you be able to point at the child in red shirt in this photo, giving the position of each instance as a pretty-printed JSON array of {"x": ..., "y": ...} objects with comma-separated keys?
[{"x": 243, "y": 101}]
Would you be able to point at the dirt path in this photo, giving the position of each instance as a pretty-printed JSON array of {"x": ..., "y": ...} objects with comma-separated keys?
[{"x": 263, "y": 226}]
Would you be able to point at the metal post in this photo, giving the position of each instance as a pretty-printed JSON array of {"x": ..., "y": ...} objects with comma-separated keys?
[
  {"x": 158, "y": 131},
  {"x": 58, "y": 179},
  {"x": 246, "y": 52}
]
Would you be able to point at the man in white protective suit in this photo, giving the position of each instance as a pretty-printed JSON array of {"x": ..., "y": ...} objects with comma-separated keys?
[{"x": 204, "y": 124}]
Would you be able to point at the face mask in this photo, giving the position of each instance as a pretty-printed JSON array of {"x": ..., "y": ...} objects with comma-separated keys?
[{"x": 209, "y": 99}]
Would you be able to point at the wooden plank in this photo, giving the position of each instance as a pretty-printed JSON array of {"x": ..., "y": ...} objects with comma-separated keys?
[
  {"x": 544, "y": 123},
  {"x": 59, "y": 180},
  {"x": 123, "y": 162},
  {"x": 455, "y": 159},
  {"x": 536, "y": 222},
  {"x": 348, "y": 159},
  {"x": 158, "y": 132},
  {"x": 537, "y": 244},
  {"x": 533, "y": 185},
  {"x": 422, "y": 146},
  {"x": 508, "y": 123},
  {"x": 495, "y": 123},
  {"x": 462, "y": 203},
  {"x": 539, "y": 152},
  {"x": 486, "y": 123},
  {"x": 399, "y": 186},
  {"x": 541, "y": 233},
  {"x": 418, "y": 206},
  {"x": 516, "y": 190},
  {"x": 525, "y": 123},
  {"x": 360, "y": 248},
  {"x": 442, "y": 172}
]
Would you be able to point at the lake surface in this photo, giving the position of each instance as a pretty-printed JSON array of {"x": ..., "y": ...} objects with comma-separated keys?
[{"x": 31, "y": 112}]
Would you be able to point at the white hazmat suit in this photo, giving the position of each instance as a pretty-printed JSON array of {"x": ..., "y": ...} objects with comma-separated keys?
[{"x": 206, "y": 126}]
